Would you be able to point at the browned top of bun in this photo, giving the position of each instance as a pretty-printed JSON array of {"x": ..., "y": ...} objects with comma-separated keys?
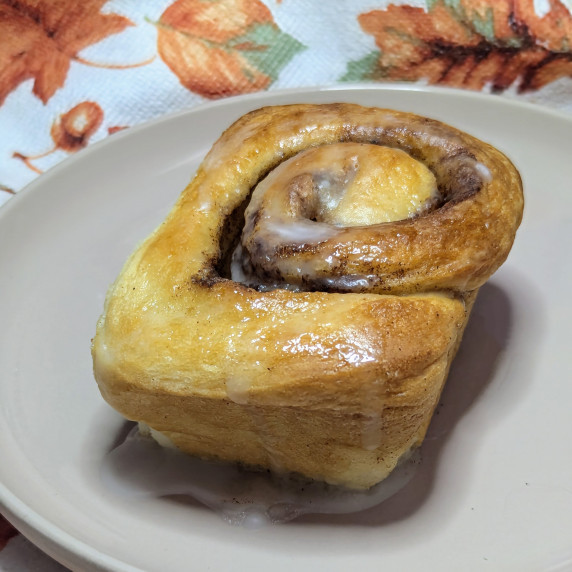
[{"x": 175, "y": 324}]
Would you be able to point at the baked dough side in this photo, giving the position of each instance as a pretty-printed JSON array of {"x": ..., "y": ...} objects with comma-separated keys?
[
  {"x": 335, "y": 386},
  {"x": 333, "y": 399}
]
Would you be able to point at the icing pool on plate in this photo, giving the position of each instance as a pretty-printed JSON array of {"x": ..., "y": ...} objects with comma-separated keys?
[{"x": 139, "y": 466}]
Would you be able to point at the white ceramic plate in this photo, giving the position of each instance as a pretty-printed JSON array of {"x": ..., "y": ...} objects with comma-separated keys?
[{"x": 494, "y": 490}]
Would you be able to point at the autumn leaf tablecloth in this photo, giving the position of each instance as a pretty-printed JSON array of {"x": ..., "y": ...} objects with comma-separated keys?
[{"x": 74, "y": 72}]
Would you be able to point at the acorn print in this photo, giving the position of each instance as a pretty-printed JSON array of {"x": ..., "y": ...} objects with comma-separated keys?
[{"x": 70, "y": 132}]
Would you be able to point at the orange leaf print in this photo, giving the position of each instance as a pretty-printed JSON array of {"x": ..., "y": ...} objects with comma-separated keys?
[
  {"x": 40, "y": 37},
  {"x": 468, "y": 43},
  {"x": 223, "y": 47},
  {"x": 553, "y": 31},
  {"x": 492, "y": 20},
  {"x": 116, "y": 129}
]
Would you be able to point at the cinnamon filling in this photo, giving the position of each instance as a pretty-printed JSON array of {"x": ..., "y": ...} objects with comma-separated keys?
[{"x": 308, "y": 198}]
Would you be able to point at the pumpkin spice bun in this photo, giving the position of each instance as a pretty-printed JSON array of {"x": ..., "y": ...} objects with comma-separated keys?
[{"x": 299, "y": 308}]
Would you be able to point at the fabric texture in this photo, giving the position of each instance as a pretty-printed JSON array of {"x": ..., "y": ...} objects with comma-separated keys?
[{"x": 73, "y": 73}]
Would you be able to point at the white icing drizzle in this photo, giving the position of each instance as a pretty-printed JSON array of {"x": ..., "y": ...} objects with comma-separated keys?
[
  {"x": 372, "y": 430},
  {"x": 237, "y": 389},
  {"x": 349, "y": 282},
  {"x": 139, "y": 467},
  {"x": 299, "y": 231},
  {"x": 313, "y": 198},
  {"x": 237, "y": 272},
  {"x": 484, "y": 171}
]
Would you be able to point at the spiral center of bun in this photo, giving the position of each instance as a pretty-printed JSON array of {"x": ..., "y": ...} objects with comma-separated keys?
[
  {"x": 340, "y": 198},
  {"x": 360, "y": 184},
  {"x": 313, "y": 195}
]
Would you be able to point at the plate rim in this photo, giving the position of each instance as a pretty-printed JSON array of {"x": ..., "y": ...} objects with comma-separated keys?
[
  {"x": 56, "y": 542},
  {"x": 503, "y": 100}
]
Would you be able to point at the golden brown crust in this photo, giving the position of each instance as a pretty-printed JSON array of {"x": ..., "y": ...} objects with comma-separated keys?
[
  {"x": 469, "y": 237},
  {"x": 336, "y": 386}
]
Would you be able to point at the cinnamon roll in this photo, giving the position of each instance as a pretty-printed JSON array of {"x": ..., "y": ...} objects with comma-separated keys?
[{"x": 301, "y": 305}]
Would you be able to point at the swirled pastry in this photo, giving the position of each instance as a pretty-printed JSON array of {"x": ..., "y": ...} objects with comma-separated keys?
[{"x": 300, "y": 307}]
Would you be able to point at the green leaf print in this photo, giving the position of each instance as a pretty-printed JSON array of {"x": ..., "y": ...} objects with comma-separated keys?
[
  {"x": 267, "y": 48},
  {"x": 366, "y": 68}
]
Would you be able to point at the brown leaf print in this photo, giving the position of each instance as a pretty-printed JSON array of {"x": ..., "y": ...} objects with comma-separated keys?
[
  {"x": 469, "y": 44},
  {"x": 70, "y": 131},
  {"x": 39, "y": 38},
  {"x": 7, "y": 531},
  {"x": 223, "y": 47}
]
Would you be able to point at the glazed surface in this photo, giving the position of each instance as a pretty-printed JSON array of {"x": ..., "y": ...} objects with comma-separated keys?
[{"x": 330, "y": 358}]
